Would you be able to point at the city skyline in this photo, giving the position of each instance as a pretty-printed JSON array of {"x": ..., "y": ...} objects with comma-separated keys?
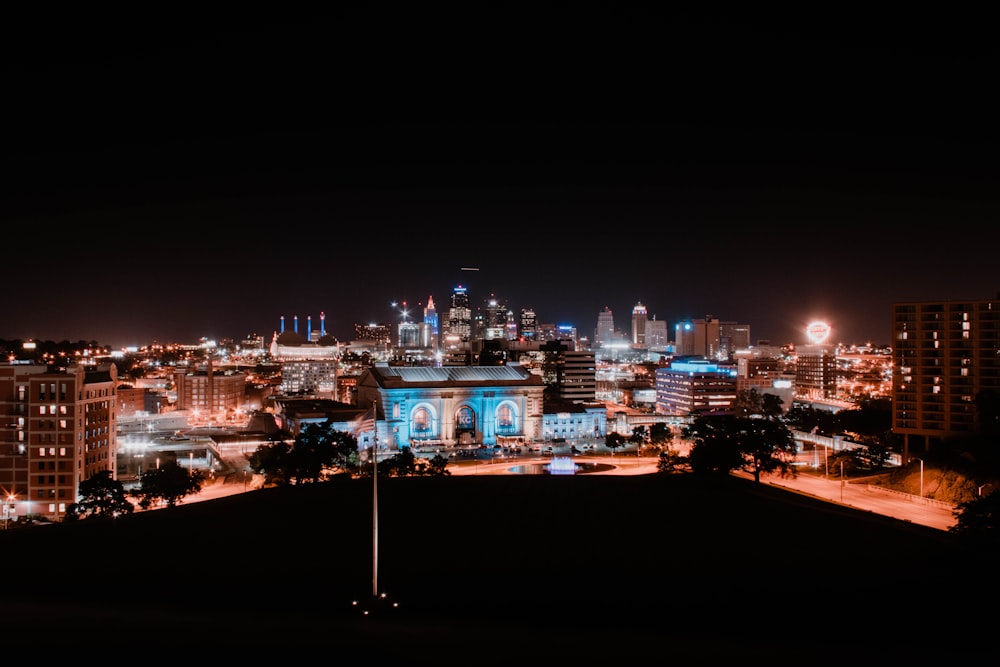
[{"x": 189, "y": 182}]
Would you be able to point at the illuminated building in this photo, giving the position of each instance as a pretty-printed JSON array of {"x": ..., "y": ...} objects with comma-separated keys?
[
  {"x": 639, "y": 319},
  {"x": 946, "y": 357},
  {"x": 529, "y": 324},
  {"x": 212, "y": 396},
  {"x": 459, "y": 329},
  {"x": 604, "y": 336},
  {"x": 430, "y": 333},
  {"x": 816, "y": 365},
  {"x": 60, "y": 428},
  {"x": 453, "y": 405},
  {"x": 694, "y": 387}
]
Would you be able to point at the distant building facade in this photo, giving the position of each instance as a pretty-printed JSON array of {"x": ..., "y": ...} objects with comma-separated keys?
[
  {"x": 946, "y": 356},
  {"x": 60, "y": 428}
]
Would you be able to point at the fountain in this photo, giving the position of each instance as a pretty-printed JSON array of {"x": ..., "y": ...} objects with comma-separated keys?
[{"x": 562, "y": 465}]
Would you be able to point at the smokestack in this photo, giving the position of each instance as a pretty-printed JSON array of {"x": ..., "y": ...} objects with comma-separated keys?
[
  {"x": 309, "y": 327},
  {"x": 295, "y": 322},
  {"x": 322, "y": 324},
  {"x": 281, "y": 327}
]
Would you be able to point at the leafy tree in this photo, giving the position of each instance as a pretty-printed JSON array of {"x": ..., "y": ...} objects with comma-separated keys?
[
  {"x": 639, "y": 437},
  {"x": 660, "y": 434},
  {"x": 613, "y": 441},
  {"x": 168, "y": 483},
  {"x": 272, "y": 461},
  {"x": 772, "y": 406},
  {"x": 671, "y": 461},
  {"x": 100, "y": 495},
  {"x": 714, "y": 449},
  {"x": 438, "y": 466},
  {"x": 748, "y": 403},
  {"x": 977, "y": 521},
  {"x": 313, "y": 454},
  {"x": 723, "y": 443},
  {"x": 405, "y": 463}
]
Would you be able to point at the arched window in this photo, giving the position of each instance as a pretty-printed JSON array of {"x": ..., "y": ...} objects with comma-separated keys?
[
  {"x": 421, "y": 422},
  {"x": 505, "y": 416},
  {"x": 464, "y": 419}
]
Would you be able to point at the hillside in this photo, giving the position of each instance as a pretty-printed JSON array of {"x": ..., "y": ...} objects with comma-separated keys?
[{"x": 499, "y": 566}]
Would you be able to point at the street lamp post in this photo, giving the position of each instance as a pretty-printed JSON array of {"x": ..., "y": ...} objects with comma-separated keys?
[
  {"x": 921, "y": 475},
  {"x": 841, "y": 480}
]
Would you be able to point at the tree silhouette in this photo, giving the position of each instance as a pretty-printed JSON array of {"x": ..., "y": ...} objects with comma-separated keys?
[
  {"x": 723, "y": 443},
  {"x": 169, "y": 483},
  {"x": 613, "y": 441},
  {"x": 314, "y": 453},
  {"x": 100, "y": 495},
  {"x": 977, "y": 521}
]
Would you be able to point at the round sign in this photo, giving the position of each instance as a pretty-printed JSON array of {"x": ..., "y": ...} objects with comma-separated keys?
[{"x": 818, "y": 331}]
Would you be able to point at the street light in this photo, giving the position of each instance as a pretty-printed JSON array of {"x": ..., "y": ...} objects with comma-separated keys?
[
  {"x": 921, "y": 475},
  {"x": 981, "y": 487}
]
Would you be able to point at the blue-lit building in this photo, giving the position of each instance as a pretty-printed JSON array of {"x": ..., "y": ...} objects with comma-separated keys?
[
  {"x": 695, "y": 387},
  {"x": 453, "y": 405}
]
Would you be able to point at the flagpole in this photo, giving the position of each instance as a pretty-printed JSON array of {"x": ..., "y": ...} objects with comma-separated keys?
[{"x": 375, "y": 505}]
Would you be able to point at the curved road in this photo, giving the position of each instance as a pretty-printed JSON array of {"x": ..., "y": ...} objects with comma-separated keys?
[{"x": 858, "y": 495}]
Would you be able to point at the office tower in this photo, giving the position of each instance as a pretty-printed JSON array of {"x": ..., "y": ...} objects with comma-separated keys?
[
  {"x": 510, "y": 328},
  {"x": 656, "y": 334},
  {"x": 529, "y": 324},
  {"x": 377, "y": 333},
  {"x": 684, "y": 338},
  {"x": 691, "y": 388},
  {"x": 430, "y": 331},
  {"x": 946, "y": 361},
  {"x": 60, "y": 422},
  {"x": 639, "y": 319},
  {"x": 494, "y": 319},
  {"x": 816, "y": 372},
  {"x": 459, "y": 317},
  {"x": 571, "y": 374},
  {"x": 604, "y": 335},
  {"x": 732, "y": 338}
]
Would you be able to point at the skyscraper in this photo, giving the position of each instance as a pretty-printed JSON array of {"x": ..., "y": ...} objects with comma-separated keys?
[
  {"x": 459, "y": 317},
  {"x": 639, "y": 318},
  {"x": 605, "y": 333},
  {"x": 430, "y": 331},
  {"x": 945, "y": 362}
]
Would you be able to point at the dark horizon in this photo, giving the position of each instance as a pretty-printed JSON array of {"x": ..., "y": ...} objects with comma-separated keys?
[{"x": 174, "y": 182}]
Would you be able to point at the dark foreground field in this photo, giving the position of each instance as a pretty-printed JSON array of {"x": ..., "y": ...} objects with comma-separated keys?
[{"x": 518, "y": 569}]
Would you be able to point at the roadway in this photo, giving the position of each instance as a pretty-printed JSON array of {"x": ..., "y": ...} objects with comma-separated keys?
[{"x": 858, "y": 494}]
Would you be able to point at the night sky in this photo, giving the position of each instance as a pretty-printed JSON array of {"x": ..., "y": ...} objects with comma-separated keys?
[{"x": 178, "y": 177}]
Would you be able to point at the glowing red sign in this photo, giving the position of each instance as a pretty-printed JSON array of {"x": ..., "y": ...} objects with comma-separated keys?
[{"x": 818, "y": 331}]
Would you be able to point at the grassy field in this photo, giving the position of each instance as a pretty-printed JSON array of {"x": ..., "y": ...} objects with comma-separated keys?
[{"x": 500, "y": 569}]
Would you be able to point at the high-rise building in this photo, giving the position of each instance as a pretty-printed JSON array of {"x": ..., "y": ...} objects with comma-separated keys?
[
  {"x": 60, "y": 428},
  {"x": 529, "y": 324},
  {"x": 430, "y": 331},
  {"x": 494, "y": 319},
  {"x": 639, "y": 319},
  {"x": 690, "y": 388},
  {"x": 946, "y": 358},
  {"x": 210, "y": 395},
  {"x": 816, "y": 372},
  {"x": 604, "y": 335},
  {"x": 699, "y": 338},
  {"x": 656, "y": 335},
  {"x": 733, "y": 336},
  {"x": 459, "y": 328},
  {"x": 571, "y": 374}
]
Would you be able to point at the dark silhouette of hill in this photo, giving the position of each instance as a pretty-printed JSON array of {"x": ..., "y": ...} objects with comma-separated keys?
[{"x": 501, "y": 569}]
